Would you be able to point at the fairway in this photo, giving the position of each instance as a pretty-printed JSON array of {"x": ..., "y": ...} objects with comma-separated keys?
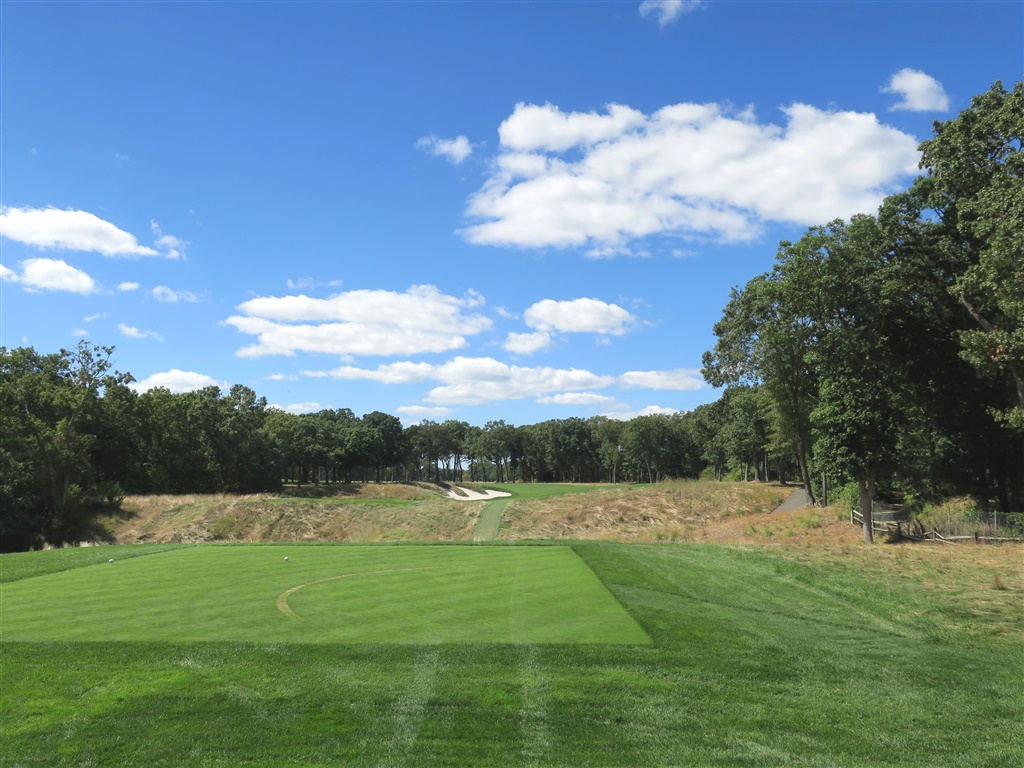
[{"x": 336, "y": 594}]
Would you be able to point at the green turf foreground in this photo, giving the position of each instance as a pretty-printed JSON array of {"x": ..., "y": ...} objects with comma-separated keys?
[
  {"x": 396, "y": 594},
  {"x": 754, "y": 661}
]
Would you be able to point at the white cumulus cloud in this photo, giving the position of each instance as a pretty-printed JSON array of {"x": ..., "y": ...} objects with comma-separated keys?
[
  {"x": 474, "y": 380},
  {"x": 176, "y": 381},
  {"x": 310, "y": 407},
  {"x": 650, "y": 410},
  {"x": 577, "y": 398},
  {"x": 667, "y": 11},
  {"x": 415, "y": 413},
  {"x": 920, "y": 92},
  {"x": 127, "y": 286},
  {"x": 682, "y": 379},
  {"x": 454, "y": 150},
  {"x": 69, "y": 230},
  {"x": 55, "y": 275},
  {"x": 361, "y": 322},
  {"x": 8, "y": 275},
  {"x": 527, "y": 343},
  {"x": 578, "y": 316},
  {"x": 606, "y": 181}
]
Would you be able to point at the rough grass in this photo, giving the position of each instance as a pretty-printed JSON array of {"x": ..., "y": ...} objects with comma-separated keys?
[
  {"x": 368, "y": 513},
  {"x": 664, "y": 512}
]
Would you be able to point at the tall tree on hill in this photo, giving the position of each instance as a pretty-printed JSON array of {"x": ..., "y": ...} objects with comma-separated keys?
[{"x": 975, "y": 183}]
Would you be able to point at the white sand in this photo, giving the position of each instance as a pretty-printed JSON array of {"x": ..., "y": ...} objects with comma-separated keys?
[{"x": 464, "y": 494}]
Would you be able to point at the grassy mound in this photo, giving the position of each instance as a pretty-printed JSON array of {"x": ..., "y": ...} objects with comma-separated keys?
[
  {"x": 348, "y": 513},
  {"x": 663, "y": 512}
]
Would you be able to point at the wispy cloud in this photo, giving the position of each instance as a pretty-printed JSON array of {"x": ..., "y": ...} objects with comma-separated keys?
[
  {"x": 127, "y": 286},
  {"x": 306, "y": 283},
  {"x": 171, "y": 296},
  {"x": 920, "y": 92},
  {"x": 454, "y": 150},
  {"x": 667, "y": 11},
  {"x": 170, "y": 246},
  {"x": 134, "y": 333}
]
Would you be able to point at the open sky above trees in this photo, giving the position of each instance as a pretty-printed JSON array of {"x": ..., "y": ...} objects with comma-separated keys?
[{"x": 448, "y": 210}]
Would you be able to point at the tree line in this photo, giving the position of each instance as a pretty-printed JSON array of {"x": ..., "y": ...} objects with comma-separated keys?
[
  {"x": 890, "y": 348},
  {"x": 884, "y": 353},
  {"x": 75, "y": 437}
]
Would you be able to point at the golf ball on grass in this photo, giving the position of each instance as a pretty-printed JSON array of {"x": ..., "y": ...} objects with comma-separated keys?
[
  {"x": 285, "y": 559},
  {"x": 110, "y": 560}
]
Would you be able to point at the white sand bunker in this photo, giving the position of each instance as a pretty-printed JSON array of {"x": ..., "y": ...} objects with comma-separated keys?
[{"x": 464, "y": 494}]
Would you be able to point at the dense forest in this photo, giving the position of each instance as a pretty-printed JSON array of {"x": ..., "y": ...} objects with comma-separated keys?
[{"x": 884, "y": 353}]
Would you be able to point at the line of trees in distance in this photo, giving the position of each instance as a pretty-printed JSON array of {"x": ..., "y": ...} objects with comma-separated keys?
[{"x": 75, "y": 437}]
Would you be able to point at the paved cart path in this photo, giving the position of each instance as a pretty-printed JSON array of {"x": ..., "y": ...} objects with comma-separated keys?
[{"x": 797, "y": 500}]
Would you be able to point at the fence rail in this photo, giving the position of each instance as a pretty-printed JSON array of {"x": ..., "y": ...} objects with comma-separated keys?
[{"x": 905, "y": 531}]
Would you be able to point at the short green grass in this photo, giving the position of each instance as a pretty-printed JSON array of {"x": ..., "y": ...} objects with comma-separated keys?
[
  {"x": 547, "y": 490},
  {"x": 294, "y": 593},
  {"x": 755, "y": 660}
]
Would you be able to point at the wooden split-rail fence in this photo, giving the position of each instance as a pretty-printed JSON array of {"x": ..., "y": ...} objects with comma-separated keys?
[{"x": 899, "y": 529}]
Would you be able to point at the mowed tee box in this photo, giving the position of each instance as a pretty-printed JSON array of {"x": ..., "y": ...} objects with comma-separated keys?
[{"x": 325, "y": 594}]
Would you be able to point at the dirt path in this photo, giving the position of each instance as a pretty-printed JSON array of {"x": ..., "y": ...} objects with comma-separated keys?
[{"x": 486, "y": 528}]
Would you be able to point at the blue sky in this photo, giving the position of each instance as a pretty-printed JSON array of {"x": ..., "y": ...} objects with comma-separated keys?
[{"x": 500, "y": 210}]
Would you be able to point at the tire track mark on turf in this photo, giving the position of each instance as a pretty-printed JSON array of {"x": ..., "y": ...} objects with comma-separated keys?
[
  {"x": 409, "y": 711},
  {"x": 282, "y": 599},
  {"x": 533, "y": 712}
]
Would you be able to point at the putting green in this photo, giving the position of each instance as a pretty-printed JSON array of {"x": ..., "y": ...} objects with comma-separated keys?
[{"x": 333, "y": 594}]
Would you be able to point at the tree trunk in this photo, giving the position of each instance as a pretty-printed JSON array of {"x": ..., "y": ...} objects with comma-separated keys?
[
  {"x": 866, "y": 486},
  {"x": 824, "y": 490},
  {"x": 805, "y": 475}
]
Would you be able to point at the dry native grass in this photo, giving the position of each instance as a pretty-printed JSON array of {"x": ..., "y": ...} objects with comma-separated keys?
[
  {"x": 221, "y": 517},
  {"x": 685, "y": 511}
]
